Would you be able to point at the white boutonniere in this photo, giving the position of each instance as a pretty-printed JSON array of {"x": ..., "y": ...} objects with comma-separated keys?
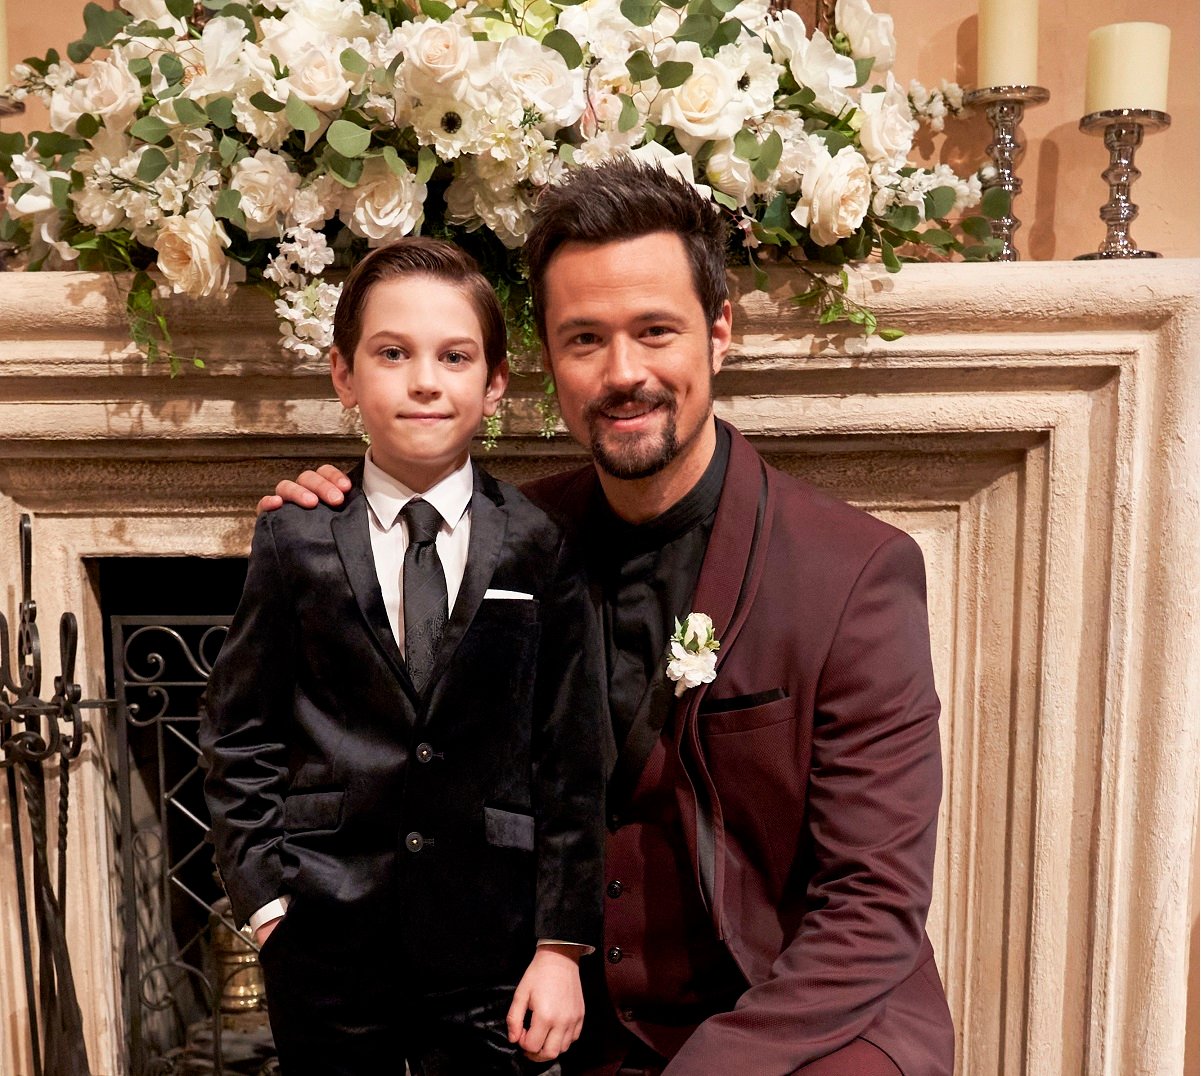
[{"x": 692, "y": 653}]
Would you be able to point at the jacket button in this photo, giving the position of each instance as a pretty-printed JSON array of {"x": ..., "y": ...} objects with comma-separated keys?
[
  {"x": 414, "y": 842},
  {"x": 615, "y": 955},
  {"x": 627, "y": 1014},
  {"x": 614, "y": 889},
  {"x": 424, "y": 752}
]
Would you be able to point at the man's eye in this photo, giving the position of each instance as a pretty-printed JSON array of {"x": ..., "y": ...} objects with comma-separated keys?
[
  {"x": 658, "y": 330},
  {"x": 585, "y": 339}
]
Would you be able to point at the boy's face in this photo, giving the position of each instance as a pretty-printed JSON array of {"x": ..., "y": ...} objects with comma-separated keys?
[{"x": 420, "y": 379}]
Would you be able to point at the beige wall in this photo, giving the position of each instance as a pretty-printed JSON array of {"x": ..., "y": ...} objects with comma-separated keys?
[{"x": 937, "y": 39}]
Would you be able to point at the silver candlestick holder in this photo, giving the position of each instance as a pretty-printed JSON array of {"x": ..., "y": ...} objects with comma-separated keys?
[
  {"x": 1005, "y": 106},
  {"x": 1123, "y": 129}
]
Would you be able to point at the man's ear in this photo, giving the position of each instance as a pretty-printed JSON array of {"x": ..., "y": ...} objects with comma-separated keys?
[
  {"x": 342, "y": 376},
  {"x": 498, "y": 381},
  {"x": 721, "y": 334}
]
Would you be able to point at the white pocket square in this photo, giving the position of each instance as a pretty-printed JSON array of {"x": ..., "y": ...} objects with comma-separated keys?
[{"x": 511, "y": 595}]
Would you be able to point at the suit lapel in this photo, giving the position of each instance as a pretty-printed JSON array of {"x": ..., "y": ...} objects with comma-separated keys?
[
  {"x": 489, "y": 523},
  {"x": 352, "y": 536}
]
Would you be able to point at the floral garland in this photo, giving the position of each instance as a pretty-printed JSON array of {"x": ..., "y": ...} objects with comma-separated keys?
[{"x": 268, "y": 142}]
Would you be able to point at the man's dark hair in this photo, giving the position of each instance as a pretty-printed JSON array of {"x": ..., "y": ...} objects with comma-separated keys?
[
  {"x": 419, "y": 256},
  {"x": 622, "y": 198}
]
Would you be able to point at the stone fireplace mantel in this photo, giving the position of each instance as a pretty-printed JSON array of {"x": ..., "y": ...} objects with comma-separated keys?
[{"x": 1036, "y": 430}]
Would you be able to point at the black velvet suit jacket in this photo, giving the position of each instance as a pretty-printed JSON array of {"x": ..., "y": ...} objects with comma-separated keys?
[{"x": 469, "y": 817}]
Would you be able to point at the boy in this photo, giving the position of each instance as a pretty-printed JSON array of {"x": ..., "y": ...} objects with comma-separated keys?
[{"x": 405, "y": 764}]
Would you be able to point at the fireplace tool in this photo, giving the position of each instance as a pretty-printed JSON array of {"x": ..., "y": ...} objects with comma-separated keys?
[{"x": 34, "y": 735}]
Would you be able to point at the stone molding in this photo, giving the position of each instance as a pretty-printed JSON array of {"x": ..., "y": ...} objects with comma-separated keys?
[{"x": 1036, "y": 430}]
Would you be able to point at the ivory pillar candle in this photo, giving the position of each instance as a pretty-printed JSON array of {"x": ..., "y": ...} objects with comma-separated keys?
[
  {"x": 1127, "y": 67},
  {"x": 1007, "y": 46}
]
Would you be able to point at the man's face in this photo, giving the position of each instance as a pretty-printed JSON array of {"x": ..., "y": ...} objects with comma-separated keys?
[{"x": 633, "y": 355}]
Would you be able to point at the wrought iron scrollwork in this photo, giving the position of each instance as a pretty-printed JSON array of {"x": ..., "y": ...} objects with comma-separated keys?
[{"x": 33, "y": 733}]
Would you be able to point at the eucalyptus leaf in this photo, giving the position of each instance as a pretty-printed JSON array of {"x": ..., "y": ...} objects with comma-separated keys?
[
  {"x": 55, "y": 143},
  {"x": 231, "y": 150},
  {"x": 776, "y": 214},
  {"x": 60, "y": 190},
  {"x": 698, "y": 28},
  {"x": 939, "y": 202},
  {"x": 427, "y": 161},
  {"x": 640, "y": 12},
  {"x": 149, "y": 129},
  {"x": 244, "y": 15},
  {"x": 79, "y": 51},
  {"x": 300, "y": 115},
  {"x": 995, "y": 203},
  {"x": 640, "y": 66},
  {"x": 673, "y": 73},
  {"x": 628, "y": 119},
  {"x": 141, "y": 69},
  {"x": 889, "y": 257},
  {"x": 726, "y": 33},
  {"x": 181, "y": 9},
  {"x": 436, "y": 10},
  {"x": 723, "y": 199},
  {"x": 220, "y": 111},
  {"x": 189, "y": 112},
  {"x": 354, "y": 63},
  {"x": 746, "y": 145},
  {"x": 102, "y": 24},
  {"x": 903, "y": 217},
  {"x": 228, "y": 206},
  {"x": 863, "y": 69},
  {"x": 265, "y": 103},
  {"x": 348, "y": 138},
  {"x": 346, "y": 170},
  {"x": 152, "y": 165},
  {"x": 566, "y": 46},
  {"x": 171, "y": 68},
  {"x": 977, "y": 227},
  {"x": 834, "y": 140},
  {"x": 87, "y": 125}
]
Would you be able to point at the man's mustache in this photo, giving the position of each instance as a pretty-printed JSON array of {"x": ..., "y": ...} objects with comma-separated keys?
[{"x": 644, "y": 397}]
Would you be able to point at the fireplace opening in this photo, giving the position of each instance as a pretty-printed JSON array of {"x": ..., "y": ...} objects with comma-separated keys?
[{"x": 192, "y": 991}]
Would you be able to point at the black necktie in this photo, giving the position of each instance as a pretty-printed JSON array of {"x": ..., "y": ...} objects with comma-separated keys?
[{"x": 425, "y": 606}]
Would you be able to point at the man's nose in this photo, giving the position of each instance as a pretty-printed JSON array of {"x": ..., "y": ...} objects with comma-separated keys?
[{"x": 623, "y": 365}]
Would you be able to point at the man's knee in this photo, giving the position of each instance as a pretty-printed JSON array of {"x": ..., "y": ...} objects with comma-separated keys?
[{"x": 857, "y": 1058}]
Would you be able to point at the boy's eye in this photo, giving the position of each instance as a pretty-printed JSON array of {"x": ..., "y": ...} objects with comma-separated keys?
[
  {"x": 393, "y": 354},
  {"x": 454, "y": 358}
]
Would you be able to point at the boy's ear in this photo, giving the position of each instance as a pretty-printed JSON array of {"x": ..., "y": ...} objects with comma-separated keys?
[
  {"x": 498, "y": 381},
  {"x": 343, "y": 378}
]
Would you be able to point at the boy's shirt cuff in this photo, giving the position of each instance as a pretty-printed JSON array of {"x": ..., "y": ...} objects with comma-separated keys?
[{"x": 271, "y": 910}]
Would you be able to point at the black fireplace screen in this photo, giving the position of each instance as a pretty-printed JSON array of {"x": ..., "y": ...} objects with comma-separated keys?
[{"x": 193, "y": 995}]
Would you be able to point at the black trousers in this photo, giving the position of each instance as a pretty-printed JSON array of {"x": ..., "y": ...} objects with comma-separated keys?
[{"x": 341, "y": 1004}]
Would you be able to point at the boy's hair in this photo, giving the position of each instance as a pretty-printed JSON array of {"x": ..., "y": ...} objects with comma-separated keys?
[
  {"x": 420, "y": 256},
  {"x": 622, "y": 198}
]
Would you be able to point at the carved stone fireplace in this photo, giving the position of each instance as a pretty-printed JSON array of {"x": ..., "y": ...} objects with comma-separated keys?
[{"x": 1036, "y": 430}]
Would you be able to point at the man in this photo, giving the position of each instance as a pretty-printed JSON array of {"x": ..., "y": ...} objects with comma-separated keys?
[{"x": 772, "y": 831}]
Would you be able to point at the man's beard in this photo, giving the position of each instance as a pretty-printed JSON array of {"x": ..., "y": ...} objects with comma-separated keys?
[{"x": 637, "y": 455}]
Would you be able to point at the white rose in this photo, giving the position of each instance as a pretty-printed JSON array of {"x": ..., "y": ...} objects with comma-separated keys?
[
  {"x": 543, "y": 80},
  {"x": 729, "y": 173},
  {"x": 221, "y": 68},
  {"x": 813, "y": 62},
  {"x": 835, "y": 195},
  {"x": 385, "y": 205},
  {"x": 698, "y": 629},
  {"x": 869, "y": 34},
  {"x": 315, "y": 75},
  {"x": 787, "y": 35},
  {"x": 887, "y": 125},
  {"x": 109, "y": 92},
  {"x": 267, "y": 187},
  {"x": 436, "y": 52},
  {"x": 190, "y": 253},
  {"x": 708, "y": 105}
]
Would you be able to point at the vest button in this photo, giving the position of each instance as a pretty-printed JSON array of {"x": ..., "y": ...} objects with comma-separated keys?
[
  {"x": 614, "y": 889},
  {"x": 627, "y": 1014},
  {"x": 424, "y": 752},
  {"x": 414, "y": 842},
  {"x": 615, "y": 955}
]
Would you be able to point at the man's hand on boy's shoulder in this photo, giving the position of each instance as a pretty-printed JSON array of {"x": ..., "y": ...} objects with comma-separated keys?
[
  {"x": 550, "y": 992},
  {"x": 326, "y": 485}
]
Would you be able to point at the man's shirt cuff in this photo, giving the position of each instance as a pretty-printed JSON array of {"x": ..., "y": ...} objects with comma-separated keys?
[
  {"x": 578, "y": 945},
  {"x": 269, "y": 911}
]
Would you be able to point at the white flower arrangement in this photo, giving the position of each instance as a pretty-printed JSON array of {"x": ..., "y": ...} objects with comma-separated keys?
[
  {"x": 270, "y": 141},
  {"x": 692, "y": 653}
]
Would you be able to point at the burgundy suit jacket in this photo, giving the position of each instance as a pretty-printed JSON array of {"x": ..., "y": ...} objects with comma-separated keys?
[{"x": 810, "y": 818}]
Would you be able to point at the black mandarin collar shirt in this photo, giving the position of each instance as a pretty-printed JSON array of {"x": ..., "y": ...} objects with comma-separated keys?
[{"x": 647, "y": 573}]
